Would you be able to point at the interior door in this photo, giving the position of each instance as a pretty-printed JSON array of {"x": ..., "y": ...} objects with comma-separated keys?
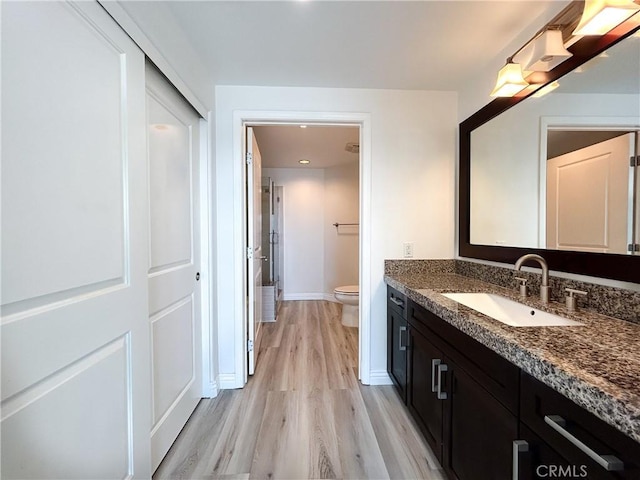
[
  {"x": 75, "y": 341},
  {"x": 174, "y": 294},
  {"x": 588, "y": 204},
  {"x": 254, "y": 248}
]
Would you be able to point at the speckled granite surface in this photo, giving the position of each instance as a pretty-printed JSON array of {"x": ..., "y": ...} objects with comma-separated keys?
[
  {"x": 596, "y": 365},
  {"x": 614, "y": 302}
]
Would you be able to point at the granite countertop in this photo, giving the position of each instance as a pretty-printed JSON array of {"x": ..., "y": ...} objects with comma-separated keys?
[{"x": 596, "y": 365}]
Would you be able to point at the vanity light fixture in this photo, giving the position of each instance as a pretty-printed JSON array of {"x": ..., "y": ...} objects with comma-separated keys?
[
  {"x": 543, "y": 53},
  {"x": 510, "y": 80},
  {"x": 304, "y": 162},
  {"x": 601, "y": 16}
]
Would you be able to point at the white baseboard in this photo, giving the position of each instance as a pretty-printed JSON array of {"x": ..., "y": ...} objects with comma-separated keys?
[
  {"x": 379, "y": 377},
  {"x": 210, "y": 389},
  {"x": 227, "y": 381},
  {"x": 303, "y": 296},
  {"x": 330, "y": 298},
  {"x": 310, "y": 296}
]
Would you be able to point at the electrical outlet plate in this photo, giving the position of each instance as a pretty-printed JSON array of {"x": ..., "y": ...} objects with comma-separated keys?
[{"x": 407, "y": 248}]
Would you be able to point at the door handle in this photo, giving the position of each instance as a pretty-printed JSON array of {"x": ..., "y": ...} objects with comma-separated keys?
[
  {"x": 401, "y": 347},
  {"x": 434, "y": 363},
  {"x": 442, "y": 367},
  {"x": 518, "y": 447},
  {"x": 610, "y": 463}
]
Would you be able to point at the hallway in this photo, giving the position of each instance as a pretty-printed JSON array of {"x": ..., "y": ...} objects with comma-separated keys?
[{"x": 303, "y": 414}]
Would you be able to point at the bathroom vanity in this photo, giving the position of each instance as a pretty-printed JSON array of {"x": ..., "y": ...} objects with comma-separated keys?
[{"x": 500, "y": 402}]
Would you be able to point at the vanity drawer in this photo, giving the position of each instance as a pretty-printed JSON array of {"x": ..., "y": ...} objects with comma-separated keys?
[
  {"x": 397, "y": 301},
  {"x": 497, "y": 375},
  {"x": 544, "y": 411}
]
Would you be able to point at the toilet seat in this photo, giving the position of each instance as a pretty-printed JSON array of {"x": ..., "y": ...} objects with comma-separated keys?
[{"x": 348, "y": 290}]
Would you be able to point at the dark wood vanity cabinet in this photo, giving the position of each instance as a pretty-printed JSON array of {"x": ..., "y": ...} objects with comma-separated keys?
[
  {"x": 461, "y": 395},
  {"x": 484, "y": 418},
  {"x": 558, "y": 434},
  {"x": 397, "y": 338}
]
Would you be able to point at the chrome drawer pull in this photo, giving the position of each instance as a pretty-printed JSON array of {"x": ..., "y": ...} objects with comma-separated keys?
[
  {"x": 434, "y": 362},
  {"x": 519, "y": 446},
  {"x": 399, "y": 303},
  {"x": 610, "y": 463},
  {"x": 401, "y": 346},
  {"x": 441, "y": 368}
]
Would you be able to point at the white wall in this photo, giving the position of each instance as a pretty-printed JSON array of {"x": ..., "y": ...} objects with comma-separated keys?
[
  {"x": 303, "y": 234},
  {"x": 412, "y": 155},
  {"x": 341, "y": 188},
  {"x": 317, "y": 256},
  {"x": 507, "y": 170}
]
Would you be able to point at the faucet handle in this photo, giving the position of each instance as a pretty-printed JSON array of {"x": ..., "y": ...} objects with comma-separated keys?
[
  {"x": 571, "y": 299},
  {"x": 523, "y": 286}
]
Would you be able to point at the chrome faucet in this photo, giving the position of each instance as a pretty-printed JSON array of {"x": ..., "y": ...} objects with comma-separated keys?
[{"x": 544, "y": 286}]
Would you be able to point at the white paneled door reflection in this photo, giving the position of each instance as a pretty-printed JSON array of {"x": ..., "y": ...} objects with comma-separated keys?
[
  {"x": 174, "y": 296},
  {"x": 588, "y": 197}
]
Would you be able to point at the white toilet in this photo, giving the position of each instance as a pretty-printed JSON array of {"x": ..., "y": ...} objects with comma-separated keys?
[{"x": 349, "y": 296}]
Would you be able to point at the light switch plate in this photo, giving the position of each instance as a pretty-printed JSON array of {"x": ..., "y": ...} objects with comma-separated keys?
[{"x": 407, "y": 248}]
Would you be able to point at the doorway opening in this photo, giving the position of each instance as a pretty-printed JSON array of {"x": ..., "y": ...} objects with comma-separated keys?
[{"x": 284, "y": 268}]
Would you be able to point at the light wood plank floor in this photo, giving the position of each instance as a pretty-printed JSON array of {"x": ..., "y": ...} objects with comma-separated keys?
[{"x": 303, "y": 414}]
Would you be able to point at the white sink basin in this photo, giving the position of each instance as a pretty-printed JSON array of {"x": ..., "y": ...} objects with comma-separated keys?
[{"x": 508, "y": 311}]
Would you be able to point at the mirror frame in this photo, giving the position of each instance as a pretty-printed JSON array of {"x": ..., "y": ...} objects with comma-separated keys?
[{"x": 603, "y": 265}]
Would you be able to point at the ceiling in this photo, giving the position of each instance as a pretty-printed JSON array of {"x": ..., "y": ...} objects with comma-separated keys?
[
  {"x": 323, "y": 146},
  {"x": 393, "y": 44}
]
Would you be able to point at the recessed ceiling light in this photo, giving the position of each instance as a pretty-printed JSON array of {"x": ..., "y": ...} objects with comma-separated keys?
[
  {"x": 303, "y": 126},
  {"x": 304, "y": 162}
]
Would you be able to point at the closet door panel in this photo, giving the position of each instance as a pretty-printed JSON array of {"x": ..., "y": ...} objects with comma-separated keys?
[{"x": 75, "y": 342}]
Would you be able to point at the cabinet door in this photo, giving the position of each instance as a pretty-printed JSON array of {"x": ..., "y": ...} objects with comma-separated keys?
[
  {"x": 479, "y": 433},
  {"x": 397, "y": 351},
  {"x": 422, "y": 401}
]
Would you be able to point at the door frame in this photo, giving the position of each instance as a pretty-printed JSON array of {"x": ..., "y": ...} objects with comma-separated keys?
[{"x": 243, "y": 118}]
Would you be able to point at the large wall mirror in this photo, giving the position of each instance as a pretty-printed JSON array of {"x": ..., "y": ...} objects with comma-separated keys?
[{"x": 553, "y": 174}]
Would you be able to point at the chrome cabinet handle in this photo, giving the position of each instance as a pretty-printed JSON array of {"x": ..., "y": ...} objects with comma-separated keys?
[
  {"x": 401, "y": 347},
  {"x": 442, "y": 367},
  {"x": 399, "y": 303},
  {"x": 518, "y": 447},
  {"x": 434, "y": 363},
  {"x": 610, "y": 463}
]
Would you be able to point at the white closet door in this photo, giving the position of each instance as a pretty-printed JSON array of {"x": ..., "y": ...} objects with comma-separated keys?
[
  {"x": 75, "y": 342},
  {"x": 174, "y": 261}
]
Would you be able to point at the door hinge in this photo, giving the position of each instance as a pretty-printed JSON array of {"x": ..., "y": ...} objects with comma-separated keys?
[
  {"x": 249, "y": 253},
  {"x": 249, "y": 158},
  {"x": 633, "y": 247},
  {"x": 249, "y": 345},
  {"x": 634, "y": 161}
]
